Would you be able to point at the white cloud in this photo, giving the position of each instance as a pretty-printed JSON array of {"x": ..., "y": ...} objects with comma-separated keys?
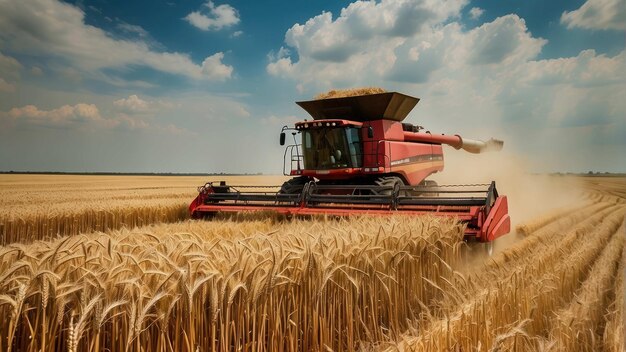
[
  {"x": 6, "y": 86},
  {"x": 588, "y": 69},
  {"x": 214, "y": 69},
  {"x": 57, "y": 31},
  {"x": 135, "y": 105},
  {"x": 9, "y": 66},
  {"x": 403, "y": 59},
  {"x": 323, "y": 39},
  {"x": 9, "y": 73},
  {"x": 66, "y": 115},
  {"x": 597, "y": 14},
  {"x": 236, "y": 34},
  {"x": 83, "y": 116},
  {"x": 476, "y": 12},
  {"x": 133, "y": 29},
  {"x": 504, "y": 39},
  {"x": 282, "y": 67},
  {"x": 36, "y": 71},
  {"x": 217, "y": 18}
]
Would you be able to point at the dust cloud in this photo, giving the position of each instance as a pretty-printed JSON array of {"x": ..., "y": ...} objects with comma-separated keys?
[{"x": 529, "y": 195}]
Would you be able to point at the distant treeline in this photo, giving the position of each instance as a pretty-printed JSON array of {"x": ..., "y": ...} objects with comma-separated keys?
[{"x": 590, "y": 173}]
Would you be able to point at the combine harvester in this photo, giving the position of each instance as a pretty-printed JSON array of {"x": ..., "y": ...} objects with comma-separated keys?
[{"x": 357, "y": 157}]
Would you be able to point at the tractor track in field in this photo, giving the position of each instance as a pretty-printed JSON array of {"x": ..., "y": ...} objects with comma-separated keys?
[{"x": 536, "y": 294}]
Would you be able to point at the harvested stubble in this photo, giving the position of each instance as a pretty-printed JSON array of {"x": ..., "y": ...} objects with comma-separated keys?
[
  {"x": 508, "y": 305},
  {"x": 535, "y": 224},
  {"x": 611, "y": 186},
  {"x": 615, "y": 327},
  {"x": 224, "y": 286},
  {"x": 579, "y": 326}
]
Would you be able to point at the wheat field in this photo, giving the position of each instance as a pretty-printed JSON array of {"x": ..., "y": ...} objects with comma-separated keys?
[
  {"x": 226, "y": 285},
  {"x": 38, "y": 207},
  {"x": 256, "y": 282}
]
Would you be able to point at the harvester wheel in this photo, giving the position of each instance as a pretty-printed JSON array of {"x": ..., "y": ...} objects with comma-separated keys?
[
  {"x": 394, "y": 183},
  {"x": 295, "y": 185}
]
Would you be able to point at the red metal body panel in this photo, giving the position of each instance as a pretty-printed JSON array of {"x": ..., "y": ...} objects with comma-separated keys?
[
  {"x": 461, "y": 215},
  {"x": 498, "y": 222},
  {"x": 415, "y": 161},
  {"x": 476, "y": 230},
  {"x": 480, "y": 226},
  {"x": 413, "y": 156}
]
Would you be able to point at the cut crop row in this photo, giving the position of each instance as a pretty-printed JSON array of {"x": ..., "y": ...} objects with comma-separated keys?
[{"x": 514, "y": 311}]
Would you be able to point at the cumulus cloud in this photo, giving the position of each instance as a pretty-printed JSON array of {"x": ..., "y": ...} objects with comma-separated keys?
[
  {"x": 134, "y": 104},
  {"x": 410, "y": 59},
  {"x": 6, "y": 86},
  {"x": 82, "y": 116},
  {"x": 506, "y": 38},
  {"x": 9, "y": 66},
  {"x": 323, "y": 39},
  {"x": 57, "y": 31},
  {"x": 588, "y": 69},
  {"x": 597, "y": 14},
  {"x": 64, "y": 116},
  {"x": 476, "y": 12},
  {"x": 218, "y": 17},
  {"x": 9, "y": 73},
  {"x": 213, "y": 68}
]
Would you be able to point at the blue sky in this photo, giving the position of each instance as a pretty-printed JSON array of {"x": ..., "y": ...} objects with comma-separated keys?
[{"x": 197, "y": 86}]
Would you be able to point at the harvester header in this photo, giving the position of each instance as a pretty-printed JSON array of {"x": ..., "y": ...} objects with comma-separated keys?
[{"x": 357, "y": 156}]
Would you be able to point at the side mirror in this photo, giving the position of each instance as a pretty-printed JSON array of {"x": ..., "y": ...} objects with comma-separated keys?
[
  {"x": 370, "y": 132},
  {"x": 282, "y": 138}
]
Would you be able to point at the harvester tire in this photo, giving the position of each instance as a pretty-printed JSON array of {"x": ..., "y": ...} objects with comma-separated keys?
[
  {"x": 394, "y": 183},
  {"x": 295, "y": 185}
]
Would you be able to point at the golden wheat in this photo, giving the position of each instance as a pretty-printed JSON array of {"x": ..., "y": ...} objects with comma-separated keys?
[
  {"x": 226, "y": 285},
  {"x": 576, "y": 328},
  {"x": 341, "y": 93},
  {"x": 38, "y": 207},
  {"x": 507, "y": 304},
  {"x": 255, "y": 282}
]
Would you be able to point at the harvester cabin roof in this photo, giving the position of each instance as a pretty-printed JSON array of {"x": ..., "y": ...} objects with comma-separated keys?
[{"x": 389, "y": 106}]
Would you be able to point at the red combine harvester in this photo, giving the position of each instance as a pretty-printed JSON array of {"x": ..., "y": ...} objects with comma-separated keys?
[{"x": 357, "y": 157}]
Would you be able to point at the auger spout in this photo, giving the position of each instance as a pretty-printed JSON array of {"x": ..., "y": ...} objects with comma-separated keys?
[{"x": 456, "y": 141}]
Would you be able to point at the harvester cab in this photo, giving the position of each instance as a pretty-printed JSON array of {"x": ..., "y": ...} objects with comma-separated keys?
[{"x": 356, "y": 156}]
